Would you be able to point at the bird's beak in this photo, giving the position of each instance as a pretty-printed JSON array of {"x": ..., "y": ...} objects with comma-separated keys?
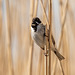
[{"x": 33, "y": 25}]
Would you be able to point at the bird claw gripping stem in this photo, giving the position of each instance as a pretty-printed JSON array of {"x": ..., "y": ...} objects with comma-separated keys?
[{"x": 47, "y": 53}]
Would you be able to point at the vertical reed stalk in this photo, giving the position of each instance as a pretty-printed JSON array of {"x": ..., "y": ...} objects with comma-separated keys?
[
  {"x": 36, "y": 7},
  {"x": 45, "y": 7},
  {"x": 46, "y": 69},
  {"x": 50, "y": 23},
  {"x": 31, "y": 42},
  {"x": 35, "y": 14},
  {"x": 46, "y": 61},
  {"x": 10, "y": 65},
  {"x": 50, "y": 32}
]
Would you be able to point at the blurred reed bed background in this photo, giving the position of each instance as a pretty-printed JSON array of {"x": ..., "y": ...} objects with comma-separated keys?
[{"x": 19, "y": 55}]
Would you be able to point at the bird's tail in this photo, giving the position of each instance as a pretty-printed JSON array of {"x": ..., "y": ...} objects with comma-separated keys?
[{"x": 60, "y": 57}]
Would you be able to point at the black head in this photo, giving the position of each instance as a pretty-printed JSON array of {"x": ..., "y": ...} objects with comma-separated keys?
[{"x": 35, "y": 22}]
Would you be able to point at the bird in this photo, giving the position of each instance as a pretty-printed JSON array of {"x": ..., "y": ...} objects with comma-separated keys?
[{"x": 39, "y": 36}]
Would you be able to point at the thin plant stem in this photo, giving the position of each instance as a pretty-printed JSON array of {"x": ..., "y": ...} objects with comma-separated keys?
[
  {"x": 50, "y": 32},
  {"x": 35, "y": 9},
  {"x": 31, "y": 42},
  {"x": 46, "y": 61},
  {"x": 44, "y": 12},
  {"x": 10, "y": 64}
]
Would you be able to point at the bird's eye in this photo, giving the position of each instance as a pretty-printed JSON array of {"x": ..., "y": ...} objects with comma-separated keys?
[{"x": 37, "y": 19}]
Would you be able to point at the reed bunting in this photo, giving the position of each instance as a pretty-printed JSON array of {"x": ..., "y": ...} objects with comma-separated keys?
[{"x": 39, "y": 36}]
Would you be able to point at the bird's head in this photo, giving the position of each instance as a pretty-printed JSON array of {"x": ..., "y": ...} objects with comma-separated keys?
[{"x": 35, "y": 22}]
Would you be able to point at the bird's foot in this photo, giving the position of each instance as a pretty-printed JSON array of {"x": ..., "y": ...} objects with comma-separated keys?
[{"x": 47, "y": 53}]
